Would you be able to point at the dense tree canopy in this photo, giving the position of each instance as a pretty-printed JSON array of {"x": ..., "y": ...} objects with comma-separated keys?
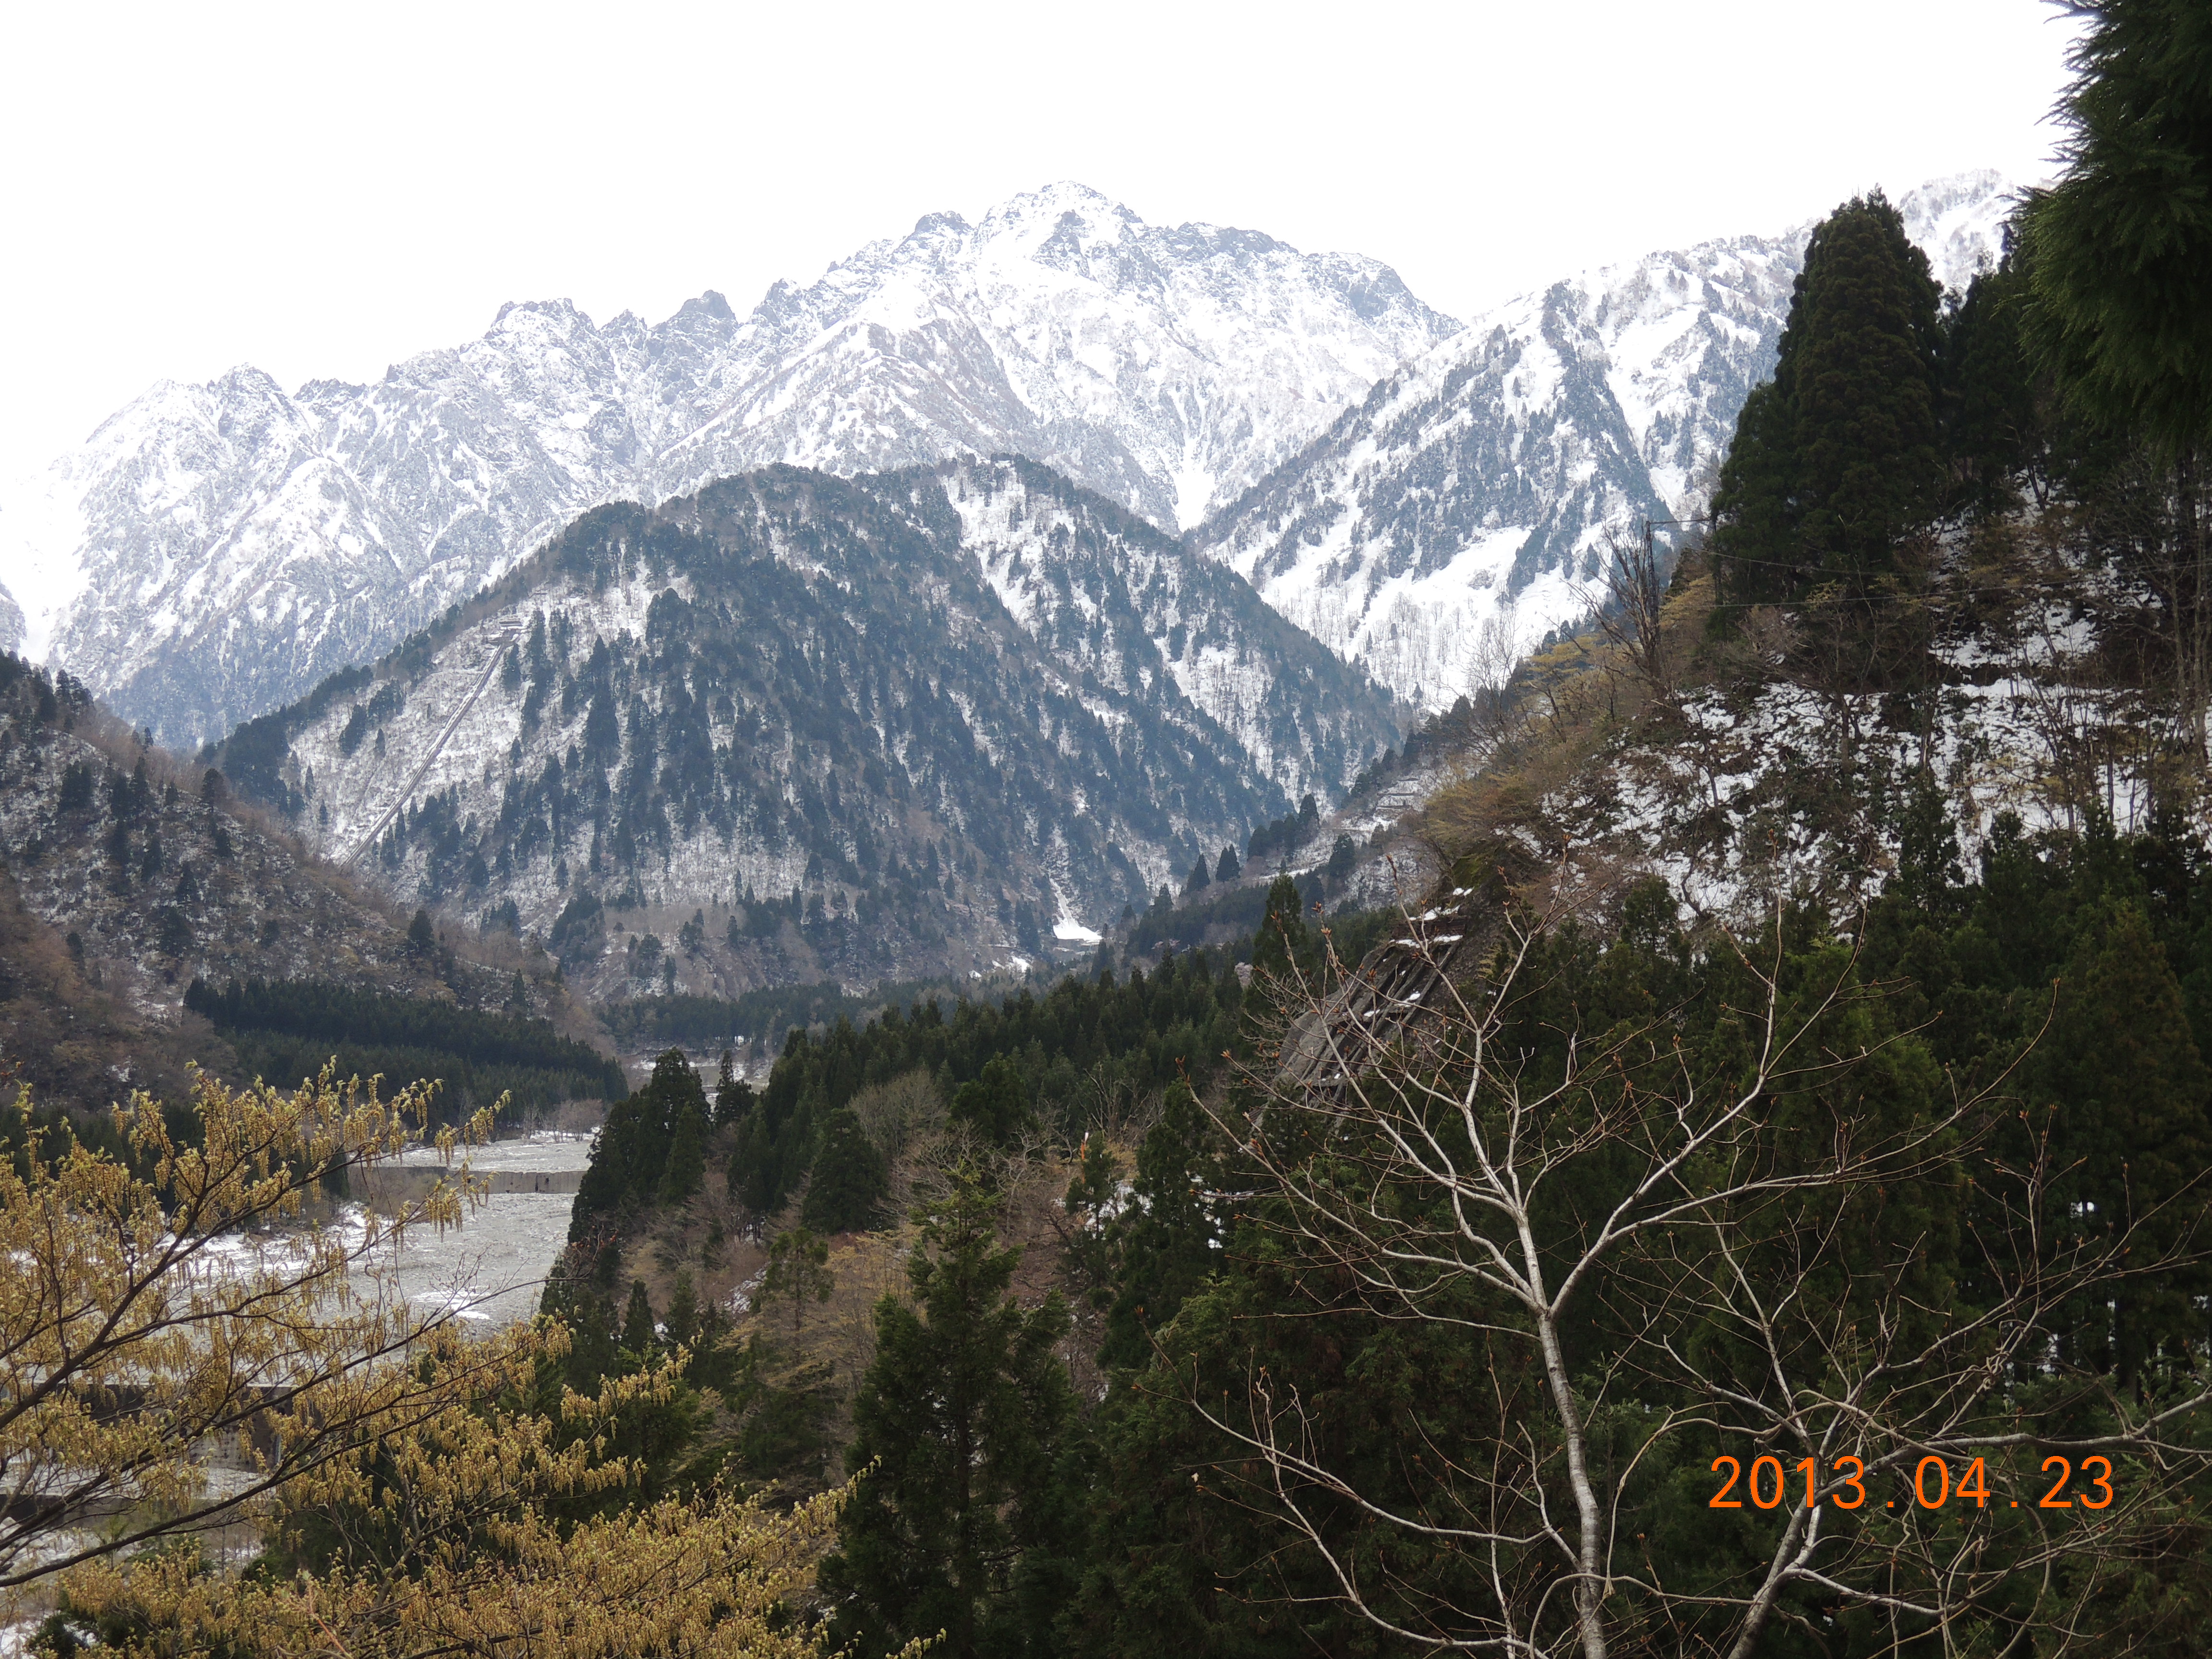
[{"x": 1835, "y": 460}]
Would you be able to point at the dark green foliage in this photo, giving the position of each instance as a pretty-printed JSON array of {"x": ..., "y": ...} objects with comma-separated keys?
[
  {"x": 708, "y": 1022},
  {"x": 649, "y": 1138},
  {"x": 1198, "y": 880},
  {"x": 1086, "y": 1042},
  {"x": 1276, "y": 841},
  {"x": 2116, "y": 1085},
  {"x": 2121, "y": 247},
  {"x": 639, "y": 1334},
  {"x": 1241, "y": 908},
  {"x": 1343, "y": 858},
  {"x": 1835, "y": 462},
  {"x": 578, "y": 929},
  {"x": 2130, "y": 1092},
  {"x": 994, "y": 1104},
  {"x": 1226, "y": 868},
  {"x": 962, "y": 1523},
  {"x": 356, "y": 728},
  {"x": 285, "y": 1029},
  {"x": 1281, "y": 941},
  {"x": 252, "y": 757},
  {"x": 1989, "y": 410},
  {"x": 1182, "y": 1562},
  {"x": 689, "y": 1129},
  {"x": 734, "y": 1096},
  {"x": 1063, "y": 1055},
  {"x": 845, "y": 1189},
  {"x": 1928, "y": 866},
  {"x": 76, "y": 790},
  {"x": 797, "y": 1274},
  {"x": 1165, "y": 1243},
  {"x": 681, "y": 1328}
]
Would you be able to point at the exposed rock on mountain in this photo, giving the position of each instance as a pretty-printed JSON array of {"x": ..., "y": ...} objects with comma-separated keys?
[
  {"x": 796, "y": 726},
  {"x": 1438, "y": 531},
  {"x": 213, "y": 550}
]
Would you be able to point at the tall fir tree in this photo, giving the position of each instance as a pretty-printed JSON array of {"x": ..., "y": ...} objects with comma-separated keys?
[
  {"x": 1835, "y": 462},
  {"x": 640, "y": 1333},
  {"x": 848, "y": 1181},
  {"x": 1281, "y": 939},
  {"x": 688, "y": 1132},
  {"x": 996, "y": 1102},
  {"x": 1164, "y": 1246},
  {"x": 2121, "y": 1067},
  {"x": 2121, "y": 247},
  {"x": 963, "y": 1524}
]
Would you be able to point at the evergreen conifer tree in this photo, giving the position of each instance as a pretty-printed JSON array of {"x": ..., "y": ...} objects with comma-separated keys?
[
  {"x": 2122, "y": 1067},
  {"x": 1835, "y": 461},
  {"x": 1226, "y": 868},
  {"x": 1166, "y": 1243},
  {"x": 734, "y": 1096},
  {"x": 1343, "y": 858},
  {"x": 639, "y": 1336},
  {"x": 995, "y": 1102},
  {"x": 1927, "y": 867},
  {"x": 848, "y": 1180},
  {"x": 962, "y": 1524},
  {"x": 1282, "y": 937},
  {"x": 1989, "y": 418},
  {"x": 682, "y": 1325},
  {"x": 798, "y": 1272},
  {"x": 687, "y": 1145},
  {"x": 2121, "y": 247}
]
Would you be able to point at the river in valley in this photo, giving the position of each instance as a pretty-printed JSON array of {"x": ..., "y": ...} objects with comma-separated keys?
[{"x": 491, "y": 1269}]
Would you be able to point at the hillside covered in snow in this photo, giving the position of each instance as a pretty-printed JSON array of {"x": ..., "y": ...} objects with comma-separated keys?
[
  {"x": 1437, "y": 533},
  {"x": 213, "y": 550},
  {"x": 794, "y": 727}
]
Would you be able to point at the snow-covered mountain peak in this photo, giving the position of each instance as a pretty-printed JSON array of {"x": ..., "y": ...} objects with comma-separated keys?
[
  {"x": 1062, "y": 210},
  {"x": 1468, "y": 506},
  {"x": 214, "y": 549},
  {"x": 1959, "y": 221}
]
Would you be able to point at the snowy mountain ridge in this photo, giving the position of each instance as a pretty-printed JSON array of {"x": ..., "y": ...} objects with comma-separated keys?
[
  {"x": 798, "y": 705},
  {"x": 1438, "y": 531},
  {"x": 212, "y": 551}
]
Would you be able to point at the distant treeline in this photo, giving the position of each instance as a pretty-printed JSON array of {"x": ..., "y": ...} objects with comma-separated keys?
[
  {"x": 287, "y": 1030},
  {"x": 1089, "y": 1048},
  {"x": 1241, "y": 907},
  {"x": 759, "y": 1019}
]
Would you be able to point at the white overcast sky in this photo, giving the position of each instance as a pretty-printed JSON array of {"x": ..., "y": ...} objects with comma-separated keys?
[{"x": 322, "y": 189}]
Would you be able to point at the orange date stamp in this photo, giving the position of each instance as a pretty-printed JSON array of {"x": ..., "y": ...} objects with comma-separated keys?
[{"x": 1768, "y": 1483}]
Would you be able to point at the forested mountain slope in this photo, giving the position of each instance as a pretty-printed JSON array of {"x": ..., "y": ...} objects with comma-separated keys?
[
  {"x": 130, "y": 884},
  {"x": 1166, "y": 368},
  {"x": 797, "y": 727}
]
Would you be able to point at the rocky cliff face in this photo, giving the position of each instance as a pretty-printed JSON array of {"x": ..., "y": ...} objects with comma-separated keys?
[
  {"x": 1469, "y": 505},
  {"x": 213, "y": 550}
]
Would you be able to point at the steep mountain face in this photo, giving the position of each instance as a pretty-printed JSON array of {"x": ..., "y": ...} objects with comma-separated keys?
[
  {"x": 1469, "y": 506},
  {"x": 139, "y": 875},
  {"x": 215, "y": 549},
  {"x": 795, "y": 727}
]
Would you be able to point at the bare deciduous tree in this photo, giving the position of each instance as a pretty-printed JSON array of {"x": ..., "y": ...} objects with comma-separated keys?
[{"x": 1827, "y": 1267}]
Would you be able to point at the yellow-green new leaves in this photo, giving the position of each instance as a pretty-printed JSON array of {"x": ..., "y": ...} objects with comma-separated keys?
[
  {"x": 445, "y": 1540},
  {"x": 183, "y": 1311}
]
